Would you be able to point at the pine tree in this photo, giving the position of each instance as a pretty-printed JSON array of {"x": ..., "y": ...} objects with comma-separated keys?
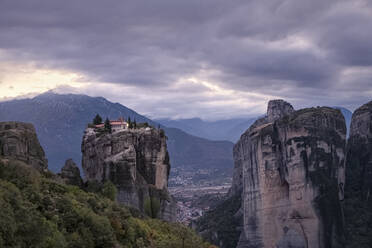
[
  {"x": 97, "y": 120},
  {"x": 130, "y": 125},
  {"x": 134, "y": 124},
  {"x": 108, "y": 125}
]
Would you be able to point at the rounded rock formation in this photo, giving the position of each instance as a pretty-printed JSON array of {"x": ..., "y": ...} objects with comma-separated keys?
[{"x": 19, "y": 141}]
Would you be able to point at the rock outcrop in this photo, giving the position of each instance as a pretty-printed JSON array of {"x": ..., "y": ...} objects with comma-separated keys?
[
  {"x": 360, "y": 150},
  {"x": 137, "y": 162},
  {"x": 277, "y": 109},
  {"x": 19, "y": 141},
  {"x": 70, "y": 174},
  {"x": 358, "y": 186},
  {"x": 292, "y": 177}
]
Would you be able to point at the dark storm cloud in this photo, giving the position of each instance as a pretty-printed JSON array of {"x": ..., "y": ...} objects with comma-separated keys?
[
  {"x": 292, "y": 48},
  {"x": 346, "y": 35}
]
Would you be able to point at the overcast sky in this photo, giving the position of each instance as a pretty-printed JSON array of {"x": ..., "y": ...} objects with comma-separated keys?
[{"x": 207, "y": 58}]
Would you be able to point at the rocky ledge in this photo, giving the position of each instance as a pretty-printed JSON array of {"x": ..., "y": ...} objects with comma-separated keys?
[{"x": 137, "y": 162}]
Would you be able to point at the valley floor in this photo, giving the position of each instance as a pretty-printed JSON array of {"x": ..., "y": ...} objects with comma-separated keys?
[{"x": 197, "y": 191}]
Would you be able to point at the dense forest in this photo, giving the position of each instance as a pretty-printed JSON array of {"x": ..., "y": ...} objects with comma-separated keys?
[{"x": 38, "y": 211}]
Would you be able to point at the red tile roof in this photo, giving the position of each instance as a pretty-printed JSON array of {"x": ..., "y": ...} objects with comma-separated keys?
[{"x": 114, "y": 123}]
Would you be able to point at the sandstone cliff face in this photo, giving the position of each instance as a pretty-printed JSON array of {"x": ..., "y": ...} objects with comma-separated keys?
[
  {"x": 360, "y": 150},
  {"x": 275, "y": 110},
  {"x": 136, "y": 161},
  {"x": 292, "y": 166},
  {"x": 19, "y": 141},
  {"x": 358, "y": 186}
]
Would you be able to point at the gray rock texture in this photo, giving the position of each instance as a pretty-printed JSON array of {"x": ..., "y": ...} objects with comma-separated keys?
[
  {"x": 18, "y": 140},
  {"x": 70, "y": 173},
  {"x": 277, "y": 109},
  {"x": 359, "y": 155},
  {"x": 358, "y": 186},
  {"x": 292, "y": 178},
  {"x": 361, "y": 123},
  {"x": 137, "y": 162}
]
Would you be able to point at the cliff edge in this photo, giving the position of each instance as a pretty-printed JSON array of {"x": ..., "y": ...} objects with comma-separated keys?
[
  {"x": 136, "y": 161},
  {"x": 358, "y": 186},
  {"x": 290, "y": 165}
]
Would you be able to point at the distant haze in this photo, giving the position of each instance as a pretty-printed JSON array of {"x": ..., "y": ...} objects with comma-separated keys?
[{"x": 230, "y": 129}]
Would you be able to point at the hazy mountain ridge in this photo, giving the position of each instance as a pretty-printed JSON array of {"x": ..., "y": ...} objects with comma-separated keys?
[
  {"x": 229, "y": 129},
  {"x": 60, "y": 120}
]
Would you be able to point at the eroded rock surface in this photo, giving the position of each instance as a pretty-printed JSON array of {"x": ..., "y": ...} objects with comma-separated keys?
[
  {"x": 360, "y": 150},
  {"x": 70, "y": 173},
  {"x": 292, "y": 166},
  {"x": 358, "y": 186},
  {"x": 137, "y": 162},
  {"x": 277, "y": 109},
  {"x": 19, "y": 141}
]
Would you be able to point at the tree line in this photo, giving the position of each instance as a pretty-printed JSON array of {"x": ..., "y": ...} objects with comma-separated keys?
[{"x": 108, "y": 127}]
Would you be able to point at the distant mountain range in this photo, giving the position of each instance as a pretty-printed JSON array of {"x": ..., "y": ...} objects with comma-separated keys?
[
  {"x": 60, "y": 120},
  {"x": 347, "y": 114},
  {"x": 230, "y": 129}
]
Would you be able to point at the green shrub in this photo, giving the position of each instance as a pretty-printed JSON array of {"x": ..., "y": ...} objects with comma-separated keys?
[
  {"x": 109, "y": 190},
  {"x": 152, "y": 207},
  {"x": 39, "y": 212}
]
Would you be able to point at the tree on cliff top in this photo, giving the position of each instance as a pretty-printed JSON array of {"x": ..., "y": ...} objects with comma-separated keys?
[
  {"x": 97, "y": 120},
  {"x": 130, "y": 125},
  {"x": 108, "y": 125}
]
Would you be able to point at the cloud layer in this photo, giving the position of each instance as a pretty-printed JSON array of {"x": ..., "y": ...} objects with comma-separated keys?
[{"x": 214, "y": 59}]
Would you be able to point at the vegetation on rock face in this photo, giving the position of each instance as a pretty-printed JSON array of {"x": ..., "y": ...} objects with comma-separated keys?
[
  {"x": 37, "y": 211},
  {"x": 152, "y": 207},
  {"x": 220, "y": 225},
  {"x": 358, "y": 203}
]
